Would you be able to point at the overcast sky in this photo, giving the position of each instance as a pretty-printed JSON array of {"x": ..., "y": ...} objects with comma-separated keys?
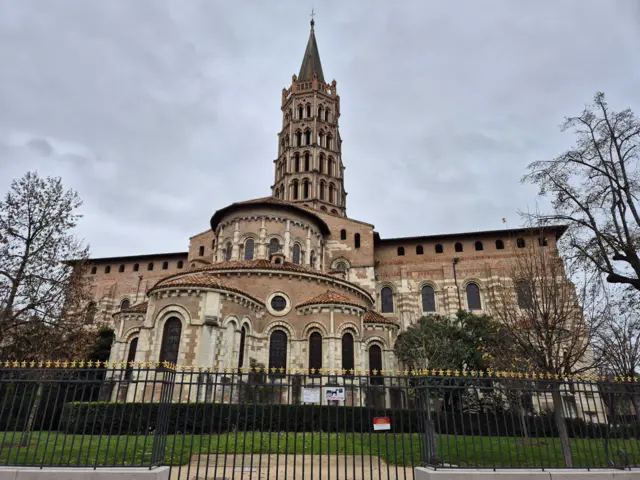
[{"x": 160, "y": 112}]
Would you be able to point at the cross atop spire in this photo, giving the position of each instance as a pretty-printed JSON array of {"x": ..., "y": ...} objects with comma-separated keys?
[{"x": 311, "y": 61}]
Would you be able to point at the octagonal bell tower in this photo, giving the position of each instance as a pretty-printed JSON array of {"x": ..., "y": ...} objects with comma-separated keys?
[{"x": 309, "y": 167}]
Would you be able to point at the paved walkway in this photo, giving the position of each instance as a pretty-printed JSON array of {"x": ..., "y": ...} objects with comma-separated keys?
[{"x": 289, "y": 467}]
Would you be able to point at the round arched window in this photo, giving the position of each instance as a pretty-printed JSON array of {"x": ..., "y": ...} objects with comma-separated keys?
[{"x": 278, "y": 303}]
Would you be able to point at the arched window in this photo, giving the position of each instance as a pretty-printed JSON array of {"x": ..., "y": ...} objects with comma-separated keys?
[
  {"x": 308, "y": 110},
  {"x": 228, "y": 251},
  {"x": 150, "y": 266},
  {"x": 278, "y": 350},
  {"x": 296, "y": 254},
  {"x": 243, "y": 337},
  {"x": 300, "y": 111},
  {"x": 315, "y": 351},
  {"x": 401, "y": 251},
  {"x": 298, "y": 139},
  {"x": 90, "y": 313},
  {"x": 321, "y": 166},
  {"x": 136, "y": 267},
  {"x": 307, "y": 137},
  {"x": 165, "y": 265},
  {"x": 331, "y": 193},
  {"x": 305, "y": 189},
  {"x": 330, "y": 170},
  {"x": 125, "y": 304},
  {"x": 131, "y": 357},
  {"x": 542, "y": 241},
  {"x": 323, "y": 187},
  {"x": 307, "y": 162},
  {"x": 320, "y": 138},
  {"x": 343, "y": 234},
  {"x": 94, "y": 270},
  {"x": 428, "y": 299},
  {"x": 171, "y": 340},
  {"x": 375, "y": 364},
  {"x": 201, "y": 251},
  {"x": 180, "y": 264},
  {"x": 274, "y": 246},
  {"x": 524, "y": 294},
  {"x": 341, "y": 267},
  {"x": 296, "y": 162},
  {"x": 312, "y": 258},
  {"x": 320, "y": 112},
  {"x": 473, "y": 297},
  {"x": 520, "y": 242},
  {"x": 356, "y": 240},
  {"x": 458, "y": 247},
  {"x": 248, "y": 249},
  {"x": 479, "y": 246},
  {"x": 121, "y": 268},
  {"x": 294, "y": 188},
  {"x": 419, "y": 250},
  {"x": 334, "y": 211},
  {"x": 107, "y": 269},
  {"x": 348, "y": 360},
  {"x": 329, "y": 142},
  {"x": 439, "y": 248},
  {"x": 326, "y": 115},
  {"x": 386, "y": 300},
  {"x": 323, "y": 208}
]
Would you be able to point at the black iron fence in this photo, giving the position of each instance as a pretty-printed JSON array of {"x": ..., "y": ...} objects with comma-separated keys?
[{"x": 209, "y": 423}]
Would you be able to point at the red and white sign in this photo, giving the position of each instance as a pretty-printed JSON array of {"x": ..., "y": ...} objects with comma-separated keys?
[{"x": 381, "y": 423}]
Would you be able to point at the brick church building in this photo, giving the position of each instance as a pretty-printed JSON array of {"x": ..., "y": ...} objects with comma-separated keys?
[{"x": 290, "y": 280}]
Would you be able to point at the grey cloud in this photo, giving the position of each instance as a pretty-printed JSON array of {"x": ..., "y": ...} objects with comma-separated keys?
[{"x": 159, "y": 113}]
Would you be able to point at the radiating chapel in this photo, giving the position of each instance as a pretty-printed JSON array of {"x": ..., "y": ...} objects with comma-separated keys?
[{"x": 289, "y": 280}]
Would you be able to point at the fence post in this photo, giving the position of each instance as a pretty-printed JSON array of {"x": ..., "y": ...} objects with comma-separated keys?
[
  {"x": 167, "y": 383},
  {"x": 431, "y": 453}
]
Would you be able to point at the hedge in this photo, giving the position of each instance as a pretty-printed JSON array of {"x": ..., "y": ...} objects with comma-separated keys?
[{"x": 214, "y": 418}]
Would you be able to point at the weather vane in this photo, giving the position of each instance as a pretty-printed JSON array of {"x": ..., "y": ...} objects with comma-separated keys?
[{"x": 312, "y": 20}]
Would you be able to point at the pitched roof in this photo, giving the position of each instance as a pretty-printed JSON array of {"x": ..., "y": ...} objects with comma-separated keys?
[
  {"x": 139, "y": 308},
  {"x": 268, "y": 201},
  {"x": 373, "y": 317},
  {"x": 198, "y": 278},
  {"x": 558, "y": 230},
  {"x": 329, "y": 297},
  {"x": 311, "y": 60}
]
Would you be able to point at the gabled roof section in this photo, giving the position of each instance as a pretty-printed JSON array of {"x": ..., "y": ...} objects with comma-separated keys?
[
  {"x": 330, "y": 298},
  {"x": 139, "y": 308},
  {"x": 268, "y": 202},
  {"x": 373, "y": 317},
  {"x": 311, "y": 61}
]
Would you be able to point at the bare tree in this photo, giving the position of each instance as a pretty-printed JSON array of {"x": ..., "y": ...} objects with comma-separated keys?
[
  {"x": 594, "y": 189},
  {"x": 44, "y": 289},
  {"x": 540, "y": 309}
]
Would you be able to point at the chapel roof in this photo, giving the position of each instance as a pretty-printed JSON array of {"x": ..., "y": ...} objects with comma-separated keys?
[
  {"x": 374, "y": 317},
  {"x": 269, "y": 202},
  {"x": 330, "y": 297},
  {"x": 138, "y": 308}
]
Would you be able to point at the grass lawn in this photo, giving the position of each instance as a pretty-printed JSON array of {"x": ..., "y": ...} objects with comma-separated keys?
[{"x": 52, "y": 448}]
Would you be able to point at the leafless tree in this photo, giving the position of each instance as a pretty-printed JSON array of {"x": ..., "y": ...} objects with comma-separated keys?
[
  {"x": 44, "y": 289},
  {"x": 540, "y": 309},
  {"x": 594, "y": 189}
]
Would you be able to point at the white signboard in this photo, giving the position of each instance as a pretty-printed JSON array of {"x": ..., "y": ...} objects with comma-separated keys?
[
  {"x": 311, "y": 395},
  {"x": 334, "y": 393}
]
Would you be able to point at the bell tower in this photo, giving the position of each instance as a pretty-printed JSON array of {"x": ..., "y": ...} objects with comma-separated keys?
[{"x": 309, "y": 167}]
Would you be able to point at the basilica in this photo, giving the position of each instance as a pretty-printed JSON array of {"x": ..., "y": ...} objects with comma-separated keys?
[{"x": 290, "y": 281}]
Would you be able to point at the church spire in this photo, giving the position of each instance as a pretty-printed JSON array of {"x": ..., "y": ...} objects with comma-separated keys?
[{"x": 311, "y": 61}]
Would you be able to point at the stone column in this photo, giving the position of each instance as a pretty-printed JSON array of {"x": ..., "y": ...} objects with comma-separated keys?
[{"x": 262, "y": 241}]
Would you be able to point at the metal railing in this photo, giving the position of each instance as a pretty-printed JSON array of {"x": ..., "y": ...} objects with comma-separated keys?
[{"x": 209, "y": 423}]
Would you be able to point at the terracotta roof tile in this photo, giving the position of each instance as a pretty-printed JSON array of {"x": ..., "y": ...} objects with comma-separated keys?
[
  {"x": 139, "y": 308},
  {"x": 197, "y": 278},
  {"x": 373, "y": 317},
  {"x": 330, "y": 297}
]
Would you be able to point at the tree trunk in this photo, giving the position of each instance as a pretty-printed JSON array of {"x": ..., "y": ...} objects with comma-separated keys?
[
  {"x": 25, "y": 440},
  {"x": 562, "y": 425}
]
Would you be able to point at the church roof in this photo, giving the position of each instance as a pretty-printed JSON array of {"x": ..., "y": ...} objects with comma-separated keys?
[
  {"x": 311, "y": 61},
  {"x": 373, "y": 317},
  {"x": 329, "y": 297},
  {"x": 200, "y": 279},
  {"x": 139, "y": 308},
  {"x": 557, "y": 230},
  {"x": 269, "y": 202}
]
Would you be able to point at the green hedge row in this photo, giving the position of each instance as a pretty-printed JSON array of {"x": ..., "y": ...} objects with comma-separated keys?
[{"x": 203, "y": 418}]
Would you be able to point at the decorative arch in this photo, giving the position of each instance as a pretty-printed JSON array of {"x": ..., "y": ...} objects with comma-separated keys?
[
  {"x": 280, "y": 325},
  {"x": 338, "y": 261},
  {"x": 349, "y": 327},
  {"x": 376, "y": 340},
  {"x": 314, "y": 327},
  {"x": 129, "y": 334},
  {"x": 231, "y": 319},
  {"x": 246, "y": 322},
  {"x": 168, "y": 311}
]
